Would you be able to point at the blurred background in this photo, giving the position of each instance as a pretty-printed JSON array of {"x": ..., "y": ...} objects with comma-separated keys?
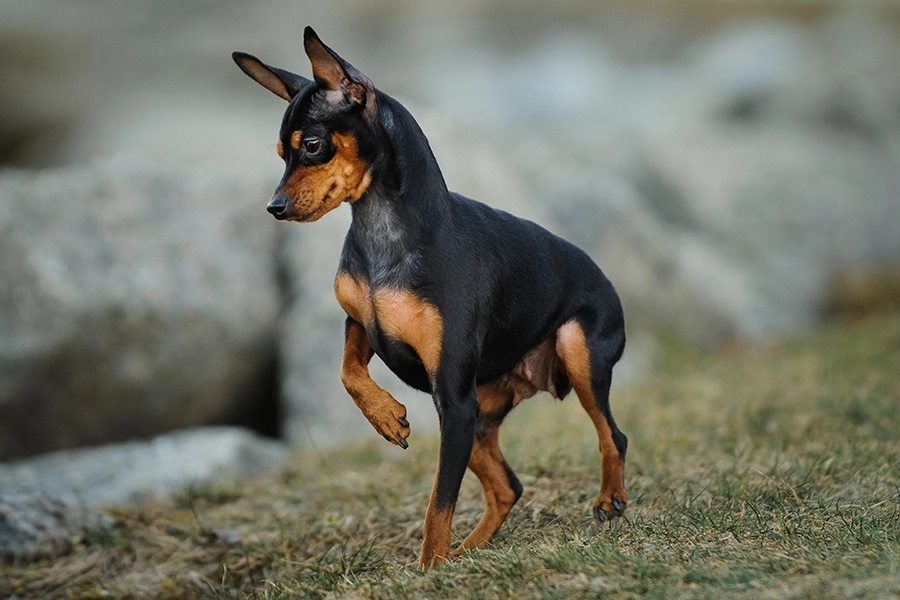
[{"x": 733, "y": 166}]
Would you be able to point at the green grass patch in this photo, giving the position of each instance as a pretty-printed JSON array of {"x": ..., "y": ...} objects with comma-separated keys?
[{"x": 752, "y": 472}]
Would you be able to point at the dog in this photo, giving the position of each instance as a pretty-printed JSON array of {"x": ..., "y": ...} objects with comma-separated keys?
[{"x": 472, "y": 305}]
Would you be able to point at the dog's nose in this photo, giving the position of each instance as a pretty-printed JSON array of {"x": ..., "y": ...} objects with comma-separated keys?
[{"x": 277, "y": 205}]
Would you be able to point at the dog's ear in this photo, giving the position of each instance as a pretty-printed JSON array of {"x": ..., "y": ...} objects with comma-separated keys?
[
  {"x": 278, "y": 81},
  {"x": 335, "y": 74}
]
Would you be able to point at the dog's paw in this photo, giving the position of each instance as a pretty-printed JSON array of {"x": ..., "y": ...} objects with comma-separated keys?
[
  {"x": 390, "y": 421},
  {"x": 610, "y": 506}
]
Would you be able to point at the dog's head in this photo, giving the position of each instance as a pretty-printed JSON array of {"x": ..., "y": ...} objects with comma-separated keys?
[{"x": 328, "y": 134}]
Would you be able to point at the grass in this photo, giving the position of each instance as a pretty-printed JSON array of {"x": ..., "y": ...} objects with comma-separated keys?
[{"x": 768, "y": 472}]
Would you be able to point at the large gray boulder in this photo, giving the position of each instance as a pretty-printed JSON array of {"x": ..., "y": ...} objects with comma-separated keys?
[
  {"x": 47, "y": 501},
  {"x": 139, "y": 471},
  {"x": 134, "y": 300},
  {"x": 765, "y": 220},
  {"x": 840, "y": 73}
]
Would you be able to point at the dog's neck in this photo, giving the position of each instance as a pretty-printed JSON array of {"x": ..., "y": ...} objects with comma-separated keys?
[
  {"x": 406, "y": 205},
  {"x": 382, "y": 241}
]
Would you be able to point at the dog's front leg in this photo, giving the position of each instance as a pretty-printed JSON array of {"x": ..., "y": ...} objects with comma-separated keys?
[
  {"x": 457, "y": 412},
  {"x": 386, "y": 415},
  {"x": 449, "y": 357}
]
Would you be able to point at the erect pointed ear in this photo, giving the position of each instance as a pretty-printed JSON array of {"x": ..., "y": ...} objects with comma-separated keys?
[
  {"x": 278, "y": 81},
  {"x": 335, "y": 74}
]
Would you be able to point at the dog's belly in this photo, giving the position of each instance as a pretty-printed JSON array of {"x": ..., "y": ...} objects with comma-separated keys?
[{"x": 539, "y": 370}]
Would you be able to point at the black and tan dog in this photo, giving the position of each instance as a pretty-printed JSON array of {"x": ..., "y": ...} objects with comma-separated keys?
[{"x": 472, "y": 305}]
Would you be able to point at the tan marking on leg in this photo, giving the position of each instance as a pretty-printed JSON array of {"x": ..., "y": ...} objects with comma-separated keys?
[
  {"x": 378, "y": 406},
  {"x": 487, "y": 464},
  {"x": 353, "y": 296},
  {"x": 494, "y": 398},
  {"x": 573, "y": 351},
  {"x": 404, "y": 316},
  {"x": 314, "y": 191},
  {"x": 437, "y": 533},
  {"x": 484, "y": 463},
  {"x": 499, "y": 497}
]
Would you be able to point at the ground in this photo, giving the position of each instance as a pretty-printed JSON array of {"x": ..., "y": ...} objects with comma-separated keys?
[{"x": 752, "y": 472}]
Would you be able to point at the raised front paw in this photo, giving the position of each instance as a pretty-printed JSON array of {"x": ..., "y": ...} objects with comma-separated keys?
[{"x": 389, "y": 419}]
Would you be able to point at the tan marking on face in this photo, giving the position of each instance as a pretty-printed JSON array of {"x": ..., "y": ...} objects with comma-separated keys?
[
  {"x": 353, "y": 296},
  {"x": 316, "y": 190},
  {"x": 406, "y": 317},
  {"x": 295, "y": 139},
  {"x": 572, "y": 349},
  {"x": 279, "y": 147}
]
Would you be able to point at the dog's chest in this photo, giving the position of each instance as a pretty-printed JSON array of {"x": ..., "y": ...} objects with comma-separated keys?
[{"x": 398, "y": 314}]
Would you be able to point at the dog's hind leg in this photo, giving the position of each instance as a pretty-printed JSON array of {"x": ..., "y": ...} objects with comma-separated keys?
[
  {"x": 589, "y": 353},
  {"x": 500, "y": 485}
]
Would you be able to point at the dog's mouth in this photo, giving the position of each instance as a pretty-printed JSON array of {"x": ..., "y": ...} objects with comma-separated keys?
[
  {"x": 311, "y": 215},
  {"x": 300, "y": 218},
  {"x": 280, "y": 208}
]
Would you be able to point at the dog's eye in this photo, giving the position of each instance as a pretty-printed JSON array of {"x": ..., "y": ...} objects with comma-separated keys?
[{"x": 312, "y": 145}]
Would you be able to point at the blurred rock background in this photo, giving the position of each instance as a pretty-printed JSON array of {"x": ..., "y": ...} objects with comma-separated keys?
[{"x": 733, "y": 165}]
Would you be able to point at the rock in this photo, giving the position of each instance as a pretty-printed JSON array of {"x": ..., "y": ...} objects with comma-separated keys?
[
  {"x": 135, "y": 300},
  {"x": 47, "y": 501},
  {"x": 841, "y": 73},
  {"x": 139, "y": 471},
  {"x": 769, "y": 216},
  {"x": 34, "y": 526},
  {"x": 752, "y": 69}
]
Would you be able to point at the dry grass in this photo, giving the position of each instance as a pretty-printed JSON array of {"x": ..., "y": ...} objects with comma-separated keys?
[{"x": 752, "y": 473}]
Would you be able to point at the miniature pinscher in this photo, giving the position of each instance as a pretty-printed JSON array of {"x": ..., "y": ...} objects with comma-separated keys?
[{"x": 470, "y": 304}]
